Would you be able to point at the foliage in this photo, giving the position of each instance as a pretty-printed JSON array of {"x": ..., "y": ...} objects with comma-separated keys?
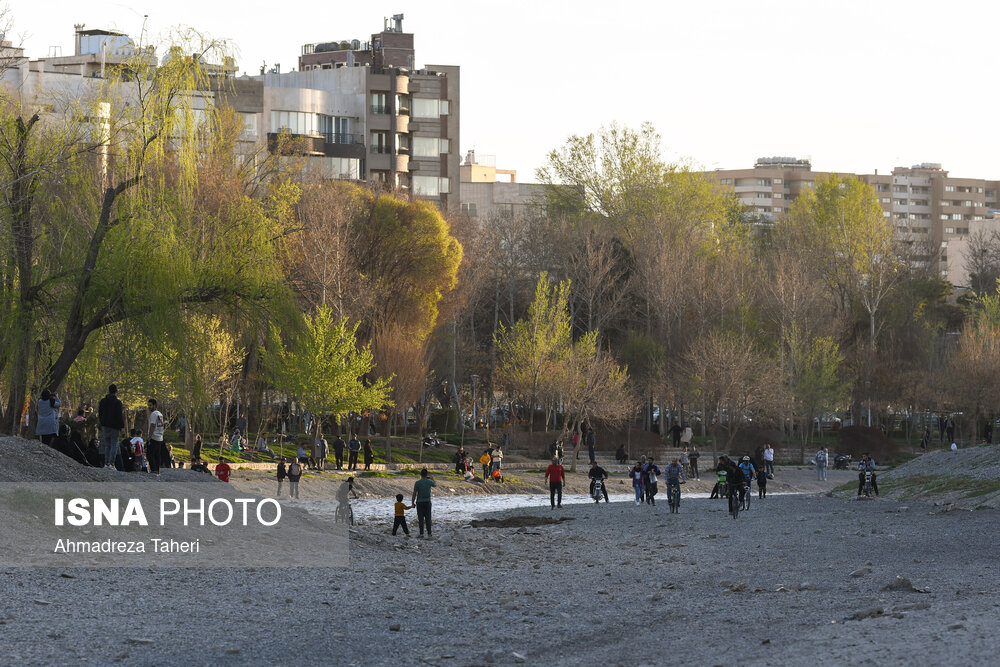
[{"x": 324, "y": 367}]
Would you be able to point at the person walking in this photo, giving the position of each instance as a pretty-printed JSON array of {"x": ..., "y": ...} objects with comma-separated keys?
[
  {"x": 281, "y": 475},
  {"x": 821, "y": 460},
  {"x": 591, "y": 445},
  {"x": 649, "y": 480},
  {"x": 422, "y": 499},
  {"x": 111, "y": 417},
  {"x": 294, "y": 474},
  {"x": 156, "y": 448},
  {"x": 768, "y": 459},
  {"x": 556, "y": 475},
  {"x": 369, "y": 456},
  {"x": 684, "y": 461},
  {"x": 399, "y": 521},
  {"x": 47, "y": 426},
  {"x": 338, "y": 451},
  {"x": 196, "y": 447},
  {"x": 353, "y": 447},
  {"x": 693, "y": 459},
  {"x": 636, "y": 474}
]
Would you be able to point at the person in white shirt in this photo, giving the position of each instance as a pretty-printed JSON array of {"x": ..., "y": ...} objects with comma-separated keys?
[
  {"x": 156, "y": 449},
  {"x": 769, "y": 459}
]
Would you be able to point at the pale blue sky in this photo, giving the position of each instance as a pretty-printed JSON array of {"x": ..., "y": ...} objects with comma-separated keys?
[{"x": 856, "y": 86}]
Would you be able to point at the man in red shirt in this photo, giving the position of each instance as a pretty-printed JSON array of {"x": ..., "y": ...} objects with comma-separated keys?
[
  {"x": 556, "y": 475},
  {"x": 222, "y": 470}
]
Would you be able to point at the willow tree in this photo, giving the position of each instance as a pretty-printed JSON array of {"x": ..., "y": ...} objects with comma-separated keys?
[{"x": 123, "y": 239}]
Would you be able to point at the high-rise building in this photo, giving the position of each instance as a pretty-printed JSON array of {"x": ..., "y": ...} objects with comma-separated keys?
[
  {"x": 926, "y": 207},
  {"x": 354, "y": 113}
]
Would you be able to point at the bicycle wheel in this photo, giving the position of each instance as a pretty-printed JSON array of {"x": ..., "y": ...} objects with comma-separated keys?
[
  {"x": 734, "y": 505},
  {"x": 746, "y": 498}
]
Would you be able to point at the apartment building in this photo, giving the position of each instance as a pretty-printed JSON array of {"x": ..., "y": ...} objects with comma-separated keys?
[
  {"x": 356, "y": 115},
  {"x": 926, "y": 207},
  {"x": 487, "y": 190},
  {"x": 367, "y": 103}
]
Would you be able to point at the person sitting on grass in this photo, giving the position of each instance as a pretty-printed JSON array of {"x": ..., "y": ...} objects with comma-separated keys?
[{"x": 400, "y": 519}]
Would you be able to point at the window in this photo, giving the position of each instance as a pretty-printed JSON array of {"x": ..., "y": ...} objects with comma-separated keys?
[
  {"x": 249, "y": 124},
  {"x": 778, "y": 181},
  {"x": 956, "y": 216},
  {"x": 429, "y": 146},
  {"x": 944, "y": 244},
  {"x": 900, "y": 202},
  {"x": 763, "y": 181},
  {"x": 886, "y": 200},
  {"x": 380, "y": 103},
  {"x": 963, "y": 230},
  {"x": 944, "y": 216},
  {"x": 949, "y": 188},
  {"x": 426, "y": 186},
  {"x": 967, "y": 203},
  {"x": 778, "y": 195},
  {"x": 469, "y": 209},
  {"x": 295, "y": 122},
  {"x": 380, "y": 142},
  {"x": 899, "y": 188},
  {"x": 979, "y": 191},
  {"x": 403, "y": 144},
  {"x": 402, "y": 105},
  {"x": 428, "y": 108},
  {"x": 726, "y": 181},
  {"x": 949, "y": 230}
]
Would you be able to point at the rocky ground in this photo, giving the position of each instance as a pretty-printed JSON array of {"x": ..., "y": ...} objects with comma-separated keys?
[{"x": 798, "y": 579}]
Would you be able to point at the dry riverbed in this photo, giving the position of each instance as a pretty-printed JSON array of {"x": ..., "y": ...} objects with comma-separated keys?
[{"x": 798, "y": 579}]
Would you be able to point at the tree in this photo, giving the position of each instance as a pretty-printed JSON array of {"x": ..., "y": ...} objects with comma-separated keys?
[
  {"x": 531, "y": 349},
  {"x": 404, "y": 358},
  {"x": 124, "y": 239},
  {"x": 736, "y": 381},
  {"x": 973, "y": 373},
  {"x": 816, "y": 379},
  {"x": 592, "y": 386},
  {"x": 325, "y": 369}
]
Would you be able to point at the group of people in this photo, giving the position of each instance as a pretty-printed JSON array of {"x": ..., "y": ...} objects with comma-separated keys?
[
  {"x": 315, "y": 459},
  {"x": 734, "y": 478}
]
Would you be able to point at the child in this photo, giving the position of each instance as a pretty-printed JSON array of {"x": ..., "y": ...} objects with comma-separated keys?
[
  {"x": 762, "y": 483},
  {"x": 138, "y": 451},
  {"x": 400, "y": 519}
]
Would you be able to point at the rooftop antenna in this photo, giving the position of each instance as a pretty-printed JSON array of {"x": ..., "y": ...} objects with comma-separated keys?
[{"x": 263, "y": 67}]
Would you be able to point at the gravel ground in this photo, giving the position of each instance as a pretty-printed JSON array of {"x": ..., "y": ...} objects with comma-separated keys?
[
  {"x": 798, "y": 579},
  {"x": 616, "y": 584}
]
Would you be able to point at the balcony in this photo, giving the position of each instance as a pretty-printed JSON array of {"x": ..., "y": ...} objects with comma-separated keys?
[
  {"x": 342, "y": 138},
  {"x": 381, "y": 109},
  {"x": 380, "y": 149}
]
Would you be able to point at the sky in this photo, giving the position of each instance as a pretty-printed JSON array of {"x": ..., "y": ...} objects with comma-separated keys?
[{"x": 855, "y": 86}]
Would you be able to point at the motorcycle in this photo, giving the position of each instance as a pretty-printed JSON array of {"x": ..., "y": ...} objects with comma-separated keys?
[
  {"x": 842, "y": 462},
  {"x": 596, "y": 495},
  {"x": 432, "y": 440},
  {"x": 867, "y": 487}
]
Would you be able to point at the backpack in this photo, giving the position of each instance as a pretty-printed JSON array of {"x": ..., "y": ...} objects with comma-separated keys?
[
  {"x": 821, "y": 457},
  {"x": 294, "y": 469}
]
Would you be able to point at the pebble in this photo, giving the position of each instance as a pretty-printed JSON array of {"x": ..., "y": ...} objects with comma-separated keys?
[{"x": 394, "y": 627}]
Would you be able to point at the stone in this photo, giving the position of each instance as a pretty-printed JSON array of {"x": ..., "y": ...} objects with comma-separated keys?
[
  {"x": 394, "y": 627},
  {"x": 861, "y": 572},
  {"x": 518, "y": 657}
]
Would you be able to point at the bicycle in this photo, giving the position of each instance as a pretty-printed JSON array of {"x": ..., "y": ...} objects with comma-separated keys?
[
  {"x": 345, "y": 513},
  {"x": 674, "y": 497}
]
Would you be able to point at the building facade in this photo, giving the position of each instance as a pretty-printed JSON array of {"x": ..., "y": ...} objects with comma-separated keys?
[
  {"x": 483, "y": 195},
  {"x": 926, "y": 207},
  {"x": 367, "y": 119}
]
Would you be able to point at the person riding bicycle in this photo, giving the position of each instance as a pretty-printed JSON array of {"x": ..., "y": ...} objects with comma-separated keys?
[
  {"x": 748, "y": 474},
  {"x": 737, "y": 489},
  {"x": 722, "y": 470},
  {"x": 867, "y": 464},
  {"x": 595, "y": 473},
  {"x": 674, "y": 473}
]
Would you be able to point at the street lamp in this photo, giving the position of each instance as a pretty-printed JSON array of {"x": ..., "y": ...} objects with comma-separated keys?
[{"x": 475, "y": 380}]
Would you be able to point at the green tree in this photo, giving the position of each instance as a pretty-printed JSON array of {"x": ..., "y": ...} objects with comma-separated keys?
[
  {"x": 324, "y": 368},
  {"x": 817, "y": 385},
  {"x": 531, "y": 350}
]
